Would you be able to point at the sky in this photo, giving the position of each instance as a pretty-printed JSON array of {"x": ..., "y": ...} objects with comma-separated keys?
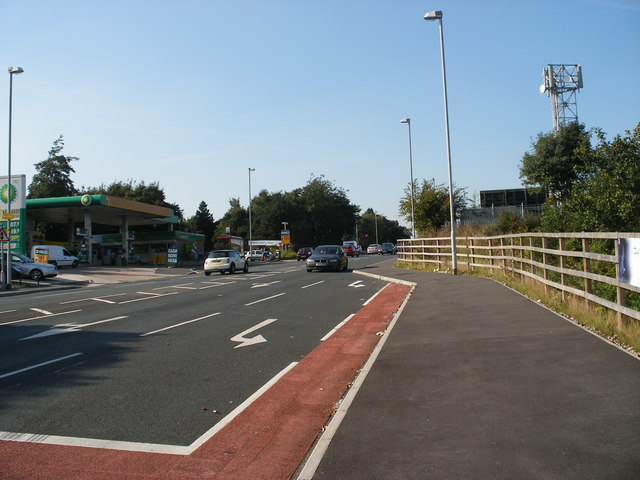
[{"x": 193, "y": 93}]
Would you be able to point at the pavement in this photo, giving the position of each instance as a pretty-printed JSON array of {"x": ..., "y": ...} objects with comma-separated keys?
[{"x": 470, "y": 380}]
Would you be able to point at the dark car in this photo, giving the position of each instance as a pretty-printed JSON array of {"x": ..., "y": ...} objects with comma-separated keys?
[
  {"x": 387, "y": 247},
  {"x": 327, "y": 257},
  {"x": 304, "y": 253}
]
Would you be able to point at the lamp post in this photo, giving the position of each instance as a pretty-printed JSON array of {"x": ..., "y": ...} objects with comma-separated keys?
[
  {"x": 375, "y": 217},
  {"x": 431, "y": 16},
  {"x": 250, "y": 170},
  {"x": 413, "y": 220},
  {"x": 12, "y": 71}
]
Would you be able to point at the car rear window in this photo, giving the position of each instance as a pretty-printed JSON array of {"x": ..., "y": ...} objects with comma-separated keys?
[{"x": 219, "y": 254}]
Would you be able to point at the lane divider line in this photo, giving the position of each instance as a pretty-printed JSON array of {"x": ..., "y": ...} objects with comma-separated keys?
[
  {"x": 39, "y": 317},
  {"x": 264, "y": 299},
  {"x": 312, "y": 284},
  {"x": 179, "y": 324},
  {"x": 151, "y": 295},
  {"x": 39, "y": 365},
  {"x": 39, "y": 310},
  {"x": 97, "y": 299}
]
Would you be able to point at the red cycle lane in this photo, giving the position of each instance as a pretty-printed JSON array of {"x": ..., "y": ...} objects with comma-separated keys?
[{"x": 268, "y": 440}]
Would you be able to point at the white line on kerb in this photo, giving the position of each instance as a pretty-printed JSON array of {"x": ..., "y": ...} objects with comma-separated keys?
[
  {"x": 39, "y": 365},
  {"x": 337, "y": 327},
  {"x": 264, "y": 299},
  {"x": 179, "y": 324},
  {"x": 375, "y": 294},
  {"x": 145, "y": 447}
]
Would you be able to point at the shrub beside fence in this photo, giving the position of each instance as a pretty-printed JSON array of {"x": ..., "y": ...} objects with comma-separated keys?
[{"x": 581, "y": 264}]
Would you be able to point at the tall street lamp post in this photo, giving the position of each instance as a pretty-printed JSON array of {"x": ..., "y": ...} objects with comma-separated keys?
[
  {"x": 431, "y": 16},
  {"x": 413, "y": 220},
  {"x": 12, "y": 71},
  {"x": 250, "y": 170}
]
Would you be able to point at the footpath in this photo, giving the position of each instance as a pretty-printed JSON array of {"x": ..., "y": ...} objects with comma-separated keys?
[{"x": 478, "y": 382}]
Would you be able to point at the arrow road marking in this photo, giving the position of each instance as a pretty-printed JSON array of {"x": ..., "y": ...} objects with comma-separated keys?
[
  {"x": 356, "y": 284},
  {"x": 245, "y": 342},
  {"x": 68, "y": 328}
]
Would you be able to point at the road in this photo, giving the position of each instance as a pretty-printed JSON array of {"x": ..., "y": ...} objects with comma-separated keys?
[{"x": 162, "y": 362}]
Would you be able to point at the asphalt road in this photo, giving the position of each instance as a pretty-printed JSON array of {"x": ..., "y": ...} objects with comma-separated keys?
[{"x": 162, "y": 361}]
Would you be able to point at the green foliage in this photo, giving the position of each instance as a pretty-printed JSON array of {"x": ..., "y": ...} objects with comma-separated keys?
[
  {"x": 604, "y": 194},
  {"x": 512, "y": 222},
  {"x": 53, "y": 177},
  {"x": 202, "y": 222},
  {"x": 431, "y": 204},
  {"x": 556, "y": 160},
  {"x": 388, "y": 230},
  {"x": 236, "y": 218}
]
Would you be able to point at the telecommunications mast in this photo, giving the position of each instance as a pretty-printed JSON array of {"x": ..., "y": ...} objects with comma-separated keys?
[{"x": 561, "y": 83}]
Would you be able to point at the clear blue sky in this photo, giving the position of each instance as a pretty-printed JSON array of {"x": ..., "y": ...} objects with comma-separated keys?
[{"x": 191, "y": 93}]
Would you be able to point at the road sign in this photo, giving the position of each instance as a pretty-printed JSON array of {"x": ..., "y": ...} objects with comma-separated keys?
[{"x": 3, "y": 235}]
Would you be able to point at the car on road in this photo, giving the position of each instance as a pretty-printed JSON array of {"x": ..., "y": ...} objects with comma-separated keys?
[
  {"x": 225, "y": 261},
  {"x": 387, "y": 247},
  {"x": 350, "y": 250},
  {"x": 30, "y": 269},
  {"x": 327, "y": 257},
  {"x": 303, "y": 253},
  {"x": 373, "y": 249},
  {"x": 253, "y": 255}
]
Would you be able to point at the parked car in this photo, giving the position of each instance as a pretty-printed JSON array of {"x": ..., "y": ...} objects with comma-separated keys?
[
  {"x": 350, "y": 250},
  {"x": 30, "y": 269},
  {"x": 303, "y": 253},
  {"x": 373, "y": 249},
  {"x": 387, "y": 247},
  {"x": 327, "y": 257},
  {"x": 253, "y": 255},
  {"x": 56, "y": 255},
  {"x": 225, "y": 261}
]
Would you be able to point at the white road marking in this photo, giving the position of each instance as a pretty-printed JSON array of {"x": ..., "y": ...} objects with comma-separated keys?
[
  {"x": 245, "y": 342},
  {"x": 259, "y": 285},
  {"x": 145, "y": 447},
  {"x": 151, "y": 295},
  {"x": 180, "y": 324},
  {"x": 97, "y": 299},
  {"x": 264, "y": 299},
  {"x": 68, "y": 328},
  {"x": 312, "y": 284},
  {"x": 375, "y": 294},
  {"x": 39, "y": 317},
  {"x": 337, "y": 327},
  {"x": 39, "y": 310},
  {"x": 356, "y": 284},
  {"x": 39, "y": 365},
  {"x": 8, "y": 311}
]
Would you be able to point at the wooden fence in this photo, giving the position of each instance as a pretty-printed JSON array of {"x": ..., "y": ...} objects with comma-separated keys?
[{"x": 582, "y": 264}]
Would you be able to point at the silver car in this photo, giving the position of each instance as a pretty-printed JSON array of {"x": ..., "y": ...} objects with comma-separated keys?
[
  {"x": 27, "y": 268},
  {"x": 225, "y": 261}
]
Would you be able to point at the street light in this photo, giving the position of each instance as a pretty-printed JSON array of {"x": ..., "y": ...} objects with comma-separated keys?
[
  {"x": 250, "y": 170},
  {"x": 413, "y": 220},
  {"x": 12, "y": 71},
  {"x": 430, "y": 16}
]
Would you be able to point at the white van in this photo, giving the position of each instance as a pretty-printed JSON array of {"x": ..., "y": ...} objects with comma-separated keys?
[{"x": 55, "y": 255}]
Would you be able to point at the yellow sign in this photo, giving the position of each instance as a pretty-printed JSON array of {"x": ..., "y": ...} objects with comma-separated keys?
[
  {"x": 285, "y": 237},
  {"x": 7, "y": 216}
]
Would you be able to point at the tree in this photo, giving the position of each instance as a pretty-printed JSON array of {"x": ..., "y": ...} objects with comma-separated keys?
[
  {"x": 431, "y": 205},
  {"x": 202, "y": 222},
  {"x": 236, "y": 218},
  {"x": 387, "y": 230},
  {"x": 605, "y": 195},
  {"x": 53, "y": 177},
  {"x": 556, "y": 160}
]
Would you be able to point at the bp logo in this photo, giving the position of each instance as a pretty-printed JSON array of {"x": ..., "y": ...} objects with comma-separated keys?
[
  {"x": 85, "y": 200},
  {"x": 8, "y": 192}
]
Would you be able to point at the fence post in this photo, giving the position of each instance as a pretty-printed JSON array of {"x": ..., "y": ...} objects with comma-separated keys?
[
  {"x": 545, "y": 258},
  {"x": 586, "y": 264},
  {"x": 620, "y": 292},
  {"x": 533, "y": 268},
  {"x": 490, "y": 254},
  {"x": 504, "y": 260},
  {"x": 563, "y": 263},
  {"x": 470, "y": 252}
]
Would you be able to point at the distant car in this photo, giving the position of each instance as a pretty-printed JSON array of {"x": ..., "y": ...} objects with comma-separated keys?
[
  {"x": 253, "y": 255},
  {"x": 327, "y": 257},
  {"x": 387, "y": 247},
  {"x": 304, "y": 253},
  {"x": 373, "y": 249},
  {"x": 350, "y": 250},
  {"x": 225, "y": 261},
  {"x": 30, "y": 269},
  {"x": 354, "y": 244}
]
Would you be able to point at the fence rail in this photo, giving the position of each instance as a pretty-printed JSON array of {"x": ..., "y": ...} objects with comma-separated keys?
[{"x": 582, "y": 264}]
